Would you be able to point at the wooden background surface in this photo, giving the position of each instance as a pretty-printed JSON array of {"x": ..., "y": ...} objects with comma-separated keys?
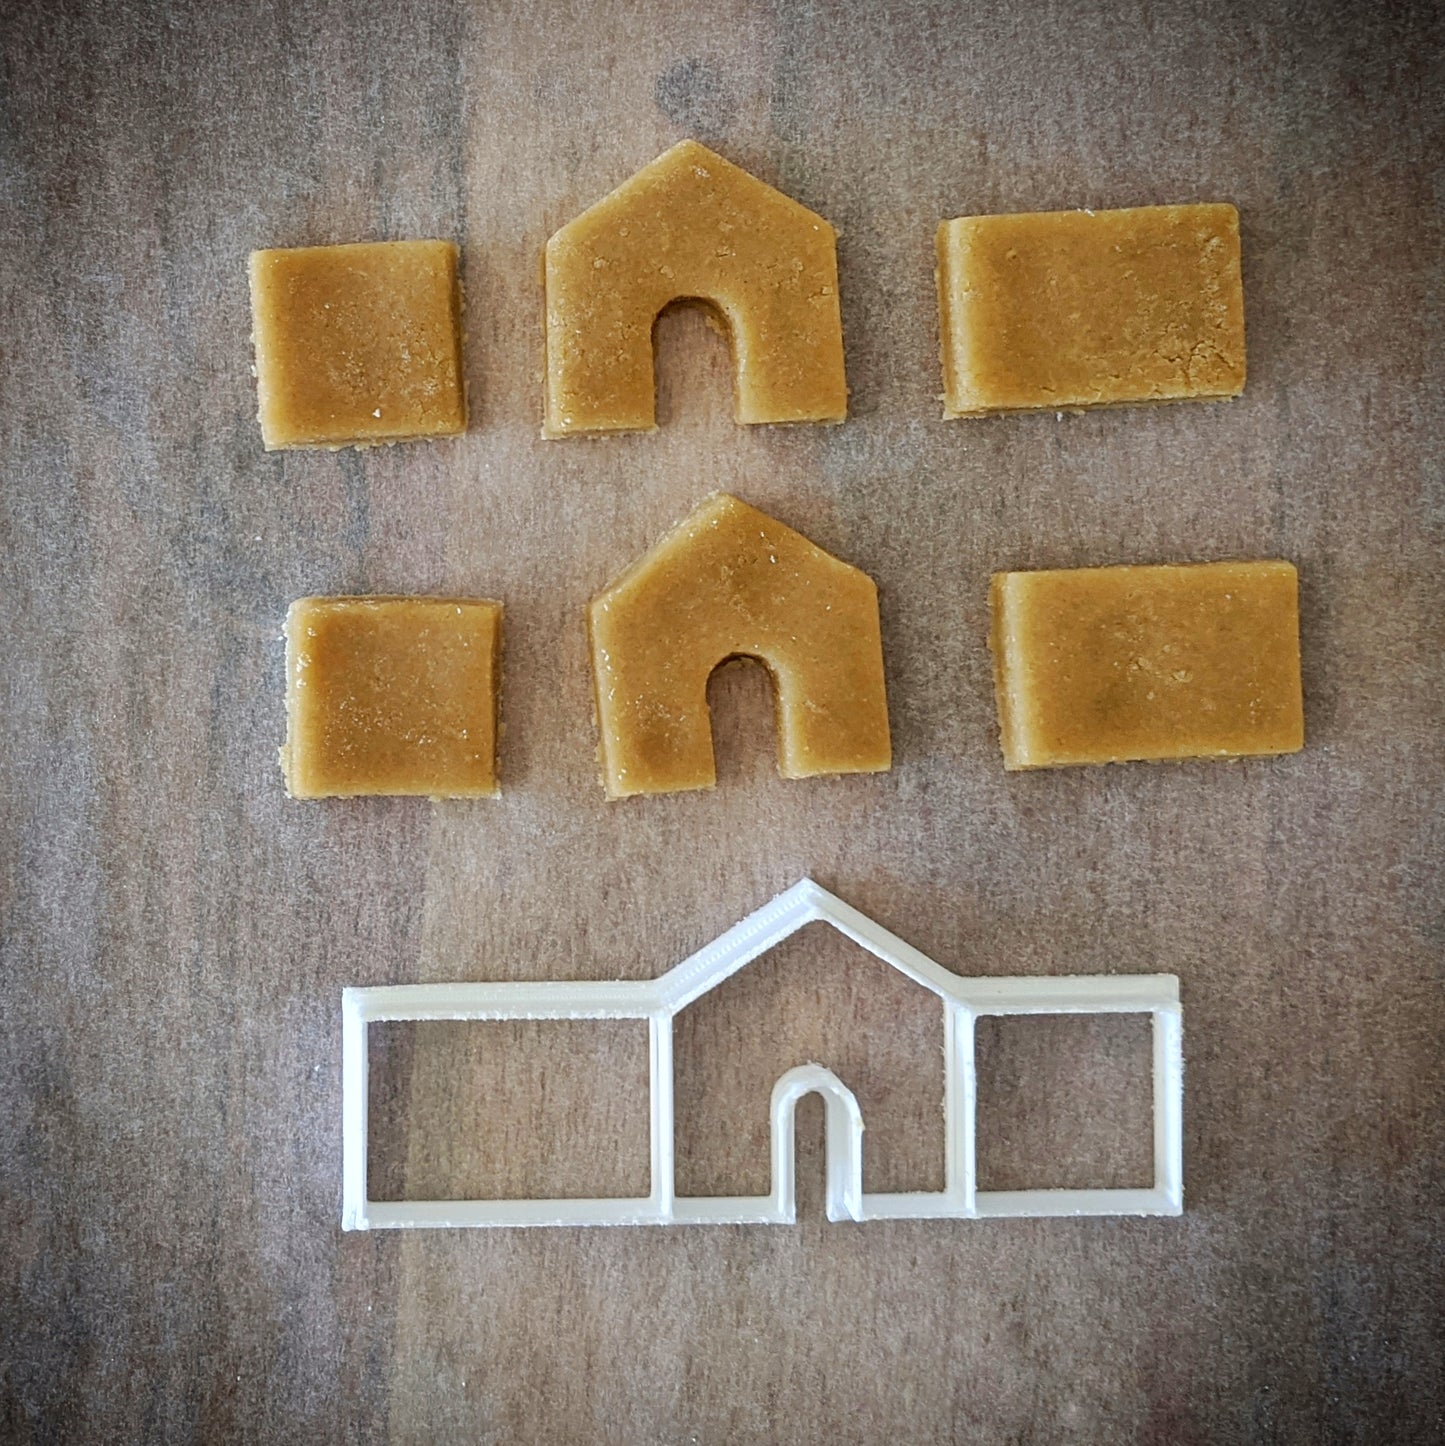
[{"x": 176, "y": 932}]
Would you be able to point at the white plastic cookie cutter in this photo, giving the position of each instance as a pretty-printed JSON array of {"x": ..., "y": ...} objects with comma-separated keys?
[{"x": 658, "y": 1001}]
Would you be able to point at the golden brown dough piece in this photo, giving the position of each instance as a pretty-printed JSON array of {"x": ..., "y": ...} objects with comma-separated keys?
[
  {"x": 357, "y": 345},
  {"x": 1103, "y": 664},
  {"x": 731, "y": 582},
  {"x": 692, "y": 226},
  {"x": 1067, "y": 309},
  {"x": 391, "y": 695}
]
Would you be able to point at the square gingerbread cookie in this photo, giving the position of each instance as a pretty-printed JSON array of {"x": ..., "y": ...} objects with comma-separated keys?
[{"x": 358, "y": 345}]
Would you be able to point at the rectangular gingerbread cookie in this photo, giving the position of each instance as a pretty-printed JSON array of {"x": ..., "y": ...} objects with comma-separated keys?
[
  {"x": 392, "y": 695},
  {"x": 1068, "y": 309},
  {"x": 1104, "y": 664}
]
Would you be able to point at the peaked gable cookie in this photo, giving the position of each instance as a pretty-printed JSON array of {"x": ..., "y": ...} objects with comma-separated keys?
[
  {"x": 692, "y": 226},
  {"x": 730, "y": 582}
]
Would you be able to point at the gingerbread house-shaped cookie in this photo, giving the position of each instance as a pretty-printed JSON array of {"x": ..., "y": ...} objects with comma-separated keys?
[
  {"x": 692, "y": 227},
  {"x": 730, "y": 582}
]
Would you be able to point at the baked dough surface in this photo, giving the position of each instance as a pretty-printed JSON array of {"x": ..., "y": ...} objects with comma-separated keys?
[
  {"x": 391, "y": 695},
  {"x": 358, "y": 345},
  {"x": 732, "y": 582},
  {"x": 1067, "y": 309},
  {"x": 1103, "y": 664},
  {"x": 692, "y": 226}
]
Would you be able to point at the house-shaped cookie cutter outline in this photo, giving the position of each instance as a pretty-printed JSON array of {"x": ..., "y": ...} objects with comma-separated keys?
[{"x": 659, "y": 1000}]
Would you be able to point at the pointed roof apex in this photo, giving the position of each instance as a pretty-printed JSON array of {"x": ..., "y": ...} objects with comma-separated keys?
[
  {"x": 805, "y": 903},
  {"x": 689, "y": 165}
]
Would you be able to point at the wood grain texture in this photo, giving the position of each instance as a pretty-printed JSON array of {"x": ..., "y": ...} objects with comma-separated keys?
[{"x": 176, "y": 932}]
